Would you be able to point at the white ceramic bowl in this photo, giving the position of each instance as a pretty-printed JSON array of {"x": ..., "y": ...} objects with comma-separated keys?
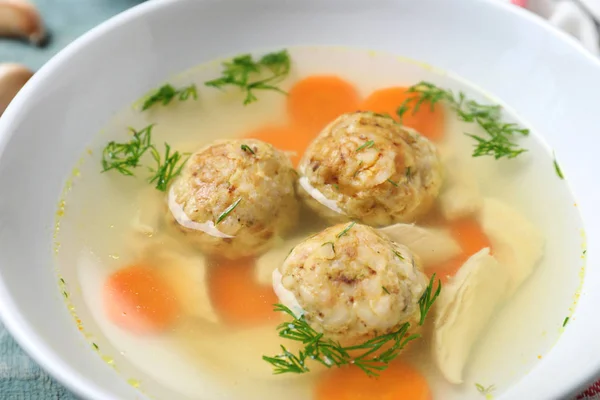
[{"x": 545, "y": 75}]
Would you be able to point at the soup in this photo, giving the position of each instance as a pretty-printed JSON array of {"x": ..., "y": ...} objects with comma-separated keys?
[{"x": 319, "y": 223}]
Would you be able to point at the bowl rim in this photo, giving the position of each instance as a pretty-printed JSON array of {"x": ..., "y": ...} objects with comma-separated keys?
[{"x": 17, "y": 325}]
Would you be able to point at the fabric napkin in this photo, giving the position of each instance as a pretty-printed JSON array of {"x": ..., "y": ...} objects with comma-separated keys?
[{"x": 20, "y": 377}]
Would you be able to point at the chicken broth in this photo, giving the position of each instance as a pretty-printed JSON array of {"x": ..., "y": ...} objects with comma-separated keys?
[{"x": 174, "y": 281}]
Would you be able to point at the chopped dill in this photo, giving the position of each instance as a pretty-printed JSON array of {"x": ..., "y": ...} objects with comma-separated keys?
[
  {"x": 398, "y": 255},
  {"x": 168, "y": 169},
  {"x": 331, "y": 353},
  {"x": 166, "y": 93},
  {"x": 238, "y": 71},
  {"x": 499, "y": 141},
  {"x": 247, "y": 149},
  {"x": 407, "y": 173},
  {"x": 62, "y": 281},
  {"x": 228, "y": 211},
  {"x": 585, "y": 251},
  {"x": 427, "y": 299},
  {"x": 557, "y": 169},
  {"x": 336, "y": 186},
  {"x": 342, "y": 233},
  {"x": 124, "y": 157},
  {"x": 366, "y": 145},
  {"x": 392, "y": 182},
  {"x": 66, "y": 295},
  {"x": 332, "y": 245},
  {"x": 385, "y": 290},
  {"x": 565, "y": 322},
  {"x": 485, "y": 390},
  {"x": 95, "y": 346}
]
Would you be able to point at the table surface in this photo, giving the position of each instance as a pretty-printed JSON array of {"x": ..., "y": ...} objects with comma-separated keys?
[{"x": 20, "y": 377}]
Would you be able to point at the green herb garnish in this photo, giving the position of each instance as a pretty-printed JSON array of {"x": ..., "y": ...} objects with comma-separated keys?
[
  {"x": 557, "y": 169},
  {"x": 485, "y": 390},
  {"x": 398, "y": 255},
  {"x": 385, "y": 290},
  {"x": 565, "y": 322},
  {"x": 366, "y": 145},
  {"x": 427, "y": 299},
  {"x": 168, "y": 169},
  {"x": 95, "y": 346},
  {"x": 228, "y": 211},
  {"x": 392, "y": 182},
  {"x": 66, "y": 295},
  {"x": 247, "y": 149},
  {"x": 585, "y": 251},
  {"x": 239, "y": 70},
  {"x": 407, "y": 173},
  {"x": 342, "y": 233},
  {"x": 331, "y": 353},
  {"x": 499, "y": 142},
  {"x": 165, "y": 94},
  {"x": 124, "y": 157}
]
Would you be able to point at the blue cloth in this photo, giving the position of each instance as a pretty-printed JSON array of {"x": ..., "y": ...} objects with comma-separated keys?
[{"x": 20, "y": 377}]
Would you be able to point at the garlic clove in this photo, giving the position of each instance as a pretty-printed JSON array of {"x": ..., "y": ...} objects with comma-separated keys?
[
  {"x": 19, "y": 18},
  {"x": 12, "y": 79}
]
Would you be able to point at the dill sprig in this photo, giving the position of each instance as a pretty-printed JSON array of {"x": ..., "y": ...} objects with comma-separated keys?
[
  {"x": 427, "y": 298},
  {"x": 485, "y": 390},
  {"x": 557, "y": 169},
  {"x": 331, "y": 353},
  {"x": 228, "y": 211},
  {"x": 499, "y": 141},
  {"x": 168, "y": 169},
  {"x": 366, "y": 145},
  {"x": 166, "y": 93},
  {"x": 239, "y": 70},
  {"x": 247, "y": 149},
  {"x": 124, "y": 157},
  {"x": 348, "y": 227}
]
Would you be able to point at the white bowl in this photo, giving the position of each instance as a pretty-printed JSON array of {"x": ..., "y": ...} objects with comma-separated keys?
[{"x": 545, "y": 75}]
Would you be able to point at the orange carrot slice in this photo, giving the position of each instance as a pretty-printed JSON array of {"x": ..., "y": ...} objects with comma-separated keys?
[
  {"x": 469, "y": 235},
  {"x": 317, "y": 100},
  {"x": 399, "y": 382},
  {"x": 471, "y": 238},
  {"x": 428, "y": 122},
  {"x": 236, "y": 295},
  {"x": 292, "y": 140},
  {"x": 137, "y": 299}
]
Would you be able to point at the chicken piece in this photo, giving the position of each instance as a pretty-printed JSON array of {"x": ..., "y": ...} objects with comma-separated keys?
[
  {"x": 366, "y": 167},
  {"x": 460, "y": 196},
  {"x": 464, "y": 309},
  {"x": 351, "y": 283},
  {"x": 235, "y": 197},
  {"x": 186, "y": 273},
  {"x": 433, "y": 246},
  {"x": 517, "y": 244}
]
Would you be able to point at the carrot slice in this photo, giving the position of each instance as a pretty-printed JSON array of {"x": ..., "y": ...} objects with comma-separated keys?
[
  {"x": 471, "y": 238},
  {"x": 236, "y": 295},
  {"x": 137, "y": 299},
  {"x": 399, "y": 382},
  {"x": 317, "y": 100},
  {"x": 292, "y": 140},
  {"x": 428, "y": 122},
  {"x": 469, "y": 235}
]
